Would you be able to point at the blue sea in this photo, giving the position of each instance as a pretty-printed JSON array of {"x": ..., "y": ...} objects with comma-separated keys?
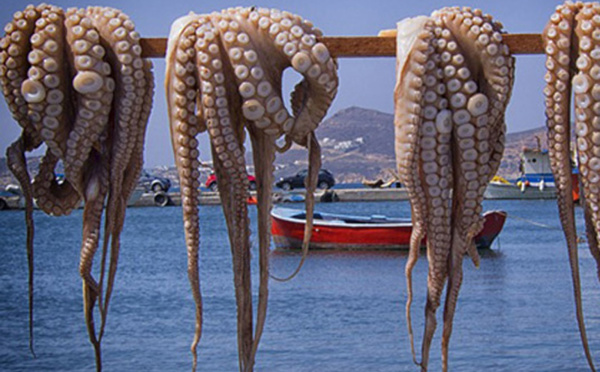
[{"x": 343, "y": 312}]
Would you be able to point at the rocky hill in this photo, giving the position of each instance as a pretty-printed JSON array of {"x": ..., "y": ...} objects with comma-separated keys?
[{"x": 357, "y": 144}]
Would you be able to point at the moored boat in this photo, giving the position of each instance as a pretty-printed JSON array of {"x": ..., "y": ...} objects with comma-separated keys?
[
  {"x": 536, "y": 180},
  {"x": 501, "y": 190},
  {"x": 344, "y": 232}
]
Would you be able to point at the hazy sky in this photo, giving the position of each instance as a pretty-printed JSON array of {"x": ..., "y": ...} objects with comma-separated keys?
[{"x": 365, "y": 82}]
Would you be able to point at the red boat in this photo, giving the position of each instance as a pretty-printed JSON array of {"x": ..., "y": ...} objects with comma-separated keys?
[{"x": 343, "y": 232}]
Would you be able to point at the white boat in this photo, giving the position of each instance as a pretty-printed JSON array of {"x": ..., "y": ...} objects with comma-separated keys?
[
  {"x": 536, "y": 181},
  {"x": 500, "y": 190}
]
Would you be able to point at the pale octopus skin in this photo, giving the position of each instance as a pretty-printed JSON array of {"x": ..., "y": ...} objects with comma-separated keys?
[
  {"x": 571, "y": 40},
  {"x": 76, "y": 82},
  {"x": 454, "y": 80},
  {"x": 224, "y": 76}
]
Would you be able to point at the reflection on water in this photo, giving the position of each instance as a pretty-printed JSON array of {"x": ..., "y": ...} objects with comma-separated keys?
[{"x": 344, "y": 311}]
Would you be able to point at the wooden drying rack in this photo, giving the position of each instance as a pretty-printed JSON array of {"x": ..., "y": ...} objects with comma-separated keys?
[{"x": 367, "y": 46}]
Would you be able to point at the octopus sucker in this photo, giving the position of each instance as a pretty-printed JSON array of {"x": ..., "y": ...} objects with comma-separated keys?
[
  {"x": 61, "y": 75},
  {"x": 446, "y": 134},
  {"x": 572, "y": 65},
  {"x": 228, "y": 67}
]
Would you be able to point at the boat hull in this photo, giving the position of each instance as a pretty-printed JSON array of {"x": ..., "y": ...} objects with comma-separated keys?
[
  {"x": 288, "y": 232},
  {"x": 509, "y": 191}
]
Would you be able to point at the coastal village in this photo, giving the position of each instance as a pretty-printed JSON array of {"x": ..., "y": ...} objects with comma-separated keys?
[{"x": 357, "y": 146}]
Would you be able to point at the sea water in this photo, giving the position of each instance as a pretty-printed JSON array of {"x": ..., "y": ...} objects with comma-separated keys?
[{"x": 343, "y": 312}]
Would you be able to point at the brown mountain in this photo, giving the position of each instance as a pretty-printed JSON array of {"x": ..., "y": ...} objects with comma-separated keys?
[{"x": 357, "y": 144}]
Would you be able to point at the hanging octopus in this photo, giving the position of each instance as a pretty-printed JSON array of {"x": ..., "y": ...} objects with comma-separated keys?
[
  {"x": 224, "y": 76},
  {"x": 570, "y": 42},
  {"x": 75, "y": 81},
  {"x": 454, "y": 80}
]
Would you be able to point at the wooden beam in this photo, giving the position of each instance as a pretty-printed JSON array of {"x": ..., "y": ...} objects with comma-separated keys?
[{"x": 367, "y": 46}]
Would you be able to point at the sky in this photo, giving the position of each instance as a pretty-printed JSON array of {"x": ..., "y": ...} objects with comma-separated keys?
[{"x": 364, "y": 82}]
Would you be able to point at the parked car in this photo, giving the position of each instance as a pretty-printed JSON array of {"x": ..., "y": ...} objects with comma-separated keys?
[
  {"x": 154, "y": 183},
  {"x": 211, "y": 182},
  {"x": 325, "y": 181}
]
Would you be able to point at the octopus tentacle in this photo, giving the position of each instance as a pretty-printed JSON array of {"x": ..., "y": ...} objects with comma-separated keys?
[
  {"x": 293, "y": 39},
  {"x": 15, "y": 159},
  {"x": 444, "y": 149},
  {"x": 45, "y": 88},
  {"x": 96, "y": 188},
  {"x": 561, "y": 50},
  {"x": 587, "y": 105},
  {"x": 56, "y": 198},
  {"x": 130, "y": 180},
  {"x": 230, "y": 84},
  {"x": 234, "y": 212},
  {"x": 262, "y": 102},
  {"x": 46, "y": 93},
  {"x": 310, "y": 100},
  {"x": 472, "y": 144},
  {"x": 227, "y": 144},
  {"x": 262, "y": 109},
  {"x": 123, "y": 53},
  {"x": 94, "y": 94},
  {"x": 264, "y": 158},
  {"x": 14, "y": 49},
  {"x": 94, "y": 87},
  {"x": 314, "y": 94},
  {"x": 260, "y": 90},
  {"x": 590, "y": 231},
  {"x": 412, "y": 48},
  {"x": 310, "y": 184},
  {"x": 435, "y": 161},
  {"x": 180, "y": 86}
]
